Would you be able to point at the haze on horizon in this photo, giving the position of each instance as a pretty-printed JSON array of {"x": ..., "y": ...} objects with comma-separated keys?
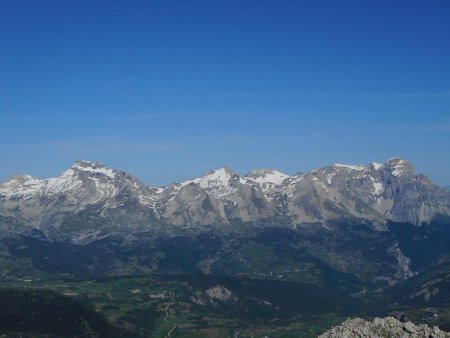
[{"x": 169, "y": 90}]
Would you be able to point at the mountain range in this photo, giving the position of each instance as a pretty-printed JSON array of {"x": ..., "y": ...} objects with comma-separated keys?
[
  {"x": 378, "y": 223},
  {"x": 89, "y": 200}
]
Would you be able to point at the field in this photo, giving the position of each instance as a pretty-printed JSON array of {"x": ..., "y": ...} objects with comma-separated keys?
[{"x": 179, "y": 306}]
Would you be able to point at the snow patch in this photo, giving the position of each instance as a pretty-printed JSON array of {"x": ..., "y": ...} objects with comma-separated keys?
[
  {"x": 398, "y": 169},
  {"x": 262, "y": 176},
  {"x": 377, "y": 166},
  {"x": 66, "y": 181},
  {"x": 377, "y": 186},
  {"x": 21, "y": 185},
  {"x": 330, "y": 178},
  {"x": 352, "y": 167}
]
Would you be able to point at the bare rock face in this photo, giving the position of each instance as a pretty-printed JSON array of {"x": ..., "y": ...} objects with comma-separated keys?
[
  {"x": 221, "y": 293},
  {"x": 375, "y": 192},
  {"x": 388, "y": 327},
  {"x": 192, "y": 205},
  {"x": 213, "y": 296}
]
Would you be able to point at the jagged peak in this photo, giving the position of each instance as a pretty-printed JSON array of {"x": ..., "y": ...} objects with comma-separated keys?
[
  {"x": 399, "y": 167},
  {"x": 86, "y": 163},
  {"x": 21, "y": 184},
  {"x": 221, "y": 176},
  {"x": 221, "y": 171},
  {"x": 20, "y": 178},
  {"x": 395, "y": 159}
]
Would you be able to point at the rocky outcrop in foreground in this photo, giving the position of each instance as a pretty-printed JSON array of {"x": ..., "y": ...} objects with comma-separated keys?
[{"x": 383, "y": 328}]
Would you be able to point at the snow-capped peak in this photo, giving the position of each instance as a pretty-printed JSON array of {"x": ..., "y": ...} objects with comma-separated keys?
[
  {"x": 216, "y": 178},
  {"x": 21, "y": 185},
  {"x": 262, "y": 176},
  {"x": 93, "y": 167},
  {"x": 267, "y": 179},
  {"x": 218, "y": 182},
  {"x": 25, "y": 186}
]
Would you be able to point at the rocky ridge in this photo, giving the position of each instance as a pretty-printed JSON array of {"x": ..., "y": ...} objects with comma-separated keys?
[{"x": 388, "y": 327}]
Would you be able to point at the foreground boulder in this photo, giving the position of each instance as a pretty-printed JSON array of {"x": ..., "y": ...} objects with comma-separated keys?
[{"x": 382, "y": 328}]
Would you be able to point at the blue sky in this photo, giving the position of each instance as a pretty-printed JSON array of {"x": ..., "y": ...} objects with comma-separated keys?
[{"x": 167, "y": 90}]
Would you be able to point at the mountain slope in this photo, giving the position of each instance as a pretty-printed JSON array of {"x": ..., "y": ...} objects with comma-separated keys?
[{"x": 41, "y": 313}]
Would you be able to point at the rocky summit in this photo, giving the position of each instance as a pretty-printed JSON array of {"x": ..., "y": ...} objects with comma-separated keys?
[{"x": 388, "y": 327}]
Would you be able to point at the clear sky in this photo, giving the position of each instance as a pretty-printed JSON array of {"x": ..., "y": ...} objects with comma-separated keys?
[{"x": 167, "y": 90}]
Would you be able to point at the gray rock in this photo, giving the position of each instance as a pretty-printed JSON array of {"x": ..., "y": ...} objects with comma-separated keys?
[{"x": 382, "y": 328}]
